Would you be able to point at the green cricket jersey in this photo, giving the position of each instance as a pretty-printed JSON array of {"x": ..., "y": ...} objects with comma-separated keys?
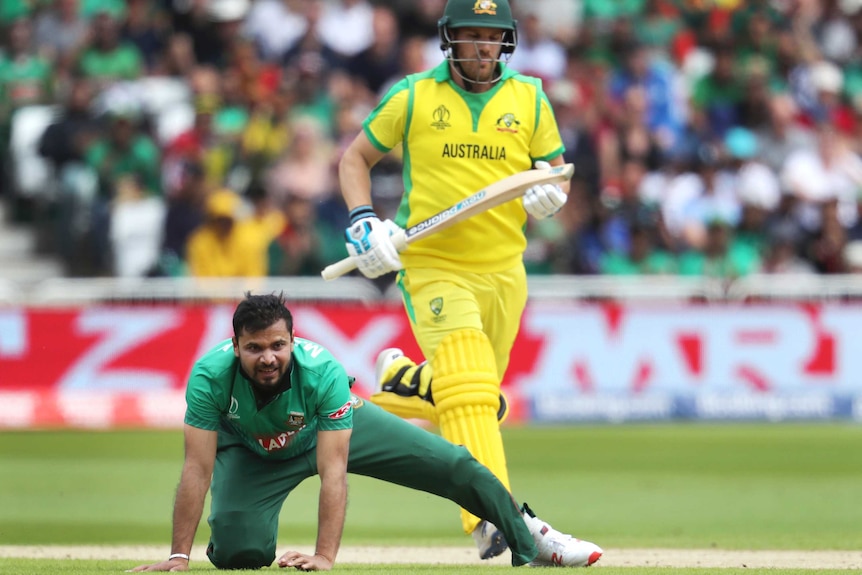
[
  {"x": 24, "y": 81},
  {"x": 121, "y": 63},
  {"x": 219, "y": 397}
]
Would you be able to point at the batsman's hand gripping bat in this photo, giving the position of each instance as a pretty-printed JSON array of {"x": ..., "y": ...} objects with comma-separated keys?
[{"x": 488, "y": 197}]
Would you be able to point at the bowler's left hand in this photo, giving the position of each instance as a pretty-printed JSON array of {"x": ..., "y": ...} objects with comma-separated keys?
[
  {"x": 544, "y": 200},
  {"x": 302, "y": 562},
  {"x": 169, "y": 565}
]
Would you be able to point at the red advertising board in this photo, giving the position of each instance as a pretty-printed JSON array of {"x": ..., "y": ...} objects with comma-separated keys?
[{"x": 116, "y": 365}]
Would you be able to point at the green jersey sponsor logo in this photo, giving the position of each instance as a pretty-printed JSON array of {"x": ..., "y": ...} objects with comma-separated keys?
[
  {"x": 342, "y": 411},
  {"x": 272, "y": 443}
]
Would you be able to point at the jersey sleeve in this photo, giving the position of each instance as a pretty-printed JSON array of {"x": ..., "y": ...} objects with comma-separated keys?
[
  {"x": 335, "y": 406},
  {"x": 384, "y": 126},
  {"x": 202, "y": 407},
  {"x": 547, "y": 143}
]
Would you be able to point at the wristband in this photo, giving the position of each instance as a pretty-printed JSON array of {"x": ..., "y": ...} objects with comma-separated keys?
[
  {"x": 178, "y": 556},
  {"x": 360, "y": 213}
]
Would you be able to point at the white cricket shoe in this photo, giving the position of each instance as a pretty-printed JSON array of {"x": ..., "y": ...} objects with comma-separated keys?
[
  {"x": 489, "y": 540},
  {"x": 559, "y": 549}
]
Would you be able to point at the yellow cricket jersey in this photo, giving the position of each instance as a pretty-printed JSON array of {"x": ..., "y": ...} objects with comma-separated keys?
[{"x": 454, "y": 144}]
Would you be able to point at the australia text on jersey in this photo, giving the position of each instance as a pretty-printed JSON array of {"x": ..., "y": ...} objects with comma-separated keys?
[{"x": 474, "y": 152}]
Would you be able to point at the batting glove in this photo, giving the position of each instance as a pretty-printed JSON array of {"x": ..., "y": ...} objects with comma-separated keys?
[
  {"x": 369, "y": 242},
  {"x": 544, "y": 200}
]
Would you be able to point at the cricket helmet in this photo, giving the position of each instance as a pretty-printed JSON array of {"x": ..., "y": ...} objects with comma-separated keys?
[{"x": 478, "y": 14}]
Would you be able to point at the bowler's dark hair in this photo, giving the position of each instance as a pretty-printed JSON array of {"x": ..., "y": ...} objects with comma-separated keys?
[{"x": 257, "y": 312}]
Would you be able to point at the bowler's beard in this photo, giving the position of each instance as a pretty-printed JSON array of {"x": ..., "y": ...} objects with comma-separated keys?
[{"x": 279, "y": 385}]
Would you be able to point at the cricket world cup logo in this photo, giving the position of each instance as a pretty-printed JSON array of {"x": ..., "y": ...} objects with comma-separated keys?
[
  {"x": 234, "y": 408},
  {"x": 441, "y": 117}
]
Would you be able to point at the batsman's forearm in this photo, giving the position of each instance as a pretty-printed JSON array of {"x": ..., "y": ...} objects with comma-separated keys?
[
  {"x": 354, "y": 177},
  {"x": 330, "y": 516},
  {"x": 188, "y": 508}
]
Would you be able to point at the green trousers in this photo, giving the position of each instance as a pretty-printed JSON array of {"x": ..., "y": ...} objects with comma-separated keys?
[{"x": 248, "y": 492}]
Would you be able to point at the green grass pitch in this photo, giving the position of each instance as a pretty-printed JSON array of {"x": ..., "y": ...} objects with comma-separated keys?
[
  {"x": 79, "y": 567},
  {"x": 752, "y": 486}
]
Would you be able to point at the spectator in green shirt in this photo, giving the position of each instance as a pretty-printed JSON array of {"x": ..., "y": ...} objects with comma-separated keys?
[
  {"x": 642, "y": 258},
  {"x": 125, "y": 151},
  {"x": 722, "y": 257},
  {"x": 756, "y": 9},
  {"x": 602, "y": 13},
  {"x": 718, "y": 94},
  {"x": 107, "y": 59},
  {"x": 307, "y": 244},
  {"x": 91, "y": 8},
  {"x": 658, "y": 26},
  {"x": 758, "y": 47},
  {"x": 12, "y": 10},
  {"x": 25, "y": 79}
]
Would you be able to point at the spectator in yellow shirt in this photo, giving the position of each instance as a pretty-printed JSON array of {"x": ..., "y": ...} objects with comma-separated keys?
[{"x": 223, "y": 246}]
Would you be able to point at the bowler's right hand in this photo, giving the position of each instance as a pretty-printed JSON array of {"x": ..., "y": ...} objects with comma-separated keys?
[
  {"x": 369, "y": 242},
  {"x": 302, "y": 562}
]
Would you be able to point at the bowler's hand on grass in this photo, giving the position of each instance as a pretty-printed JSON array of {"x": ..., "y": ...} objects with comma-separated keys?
[
  {"x": 172, "y": 565},
  {"x": 304, "y": 562}
]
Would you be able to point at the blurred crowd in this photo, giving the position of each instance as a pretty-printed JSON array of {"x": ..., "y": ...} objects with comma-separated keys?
[{"x": 715, "y": 138}]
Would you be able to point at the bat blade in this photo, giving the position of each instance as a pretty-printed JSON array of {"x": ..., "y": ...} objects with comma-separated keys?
[{"x": 487, "y": 198}]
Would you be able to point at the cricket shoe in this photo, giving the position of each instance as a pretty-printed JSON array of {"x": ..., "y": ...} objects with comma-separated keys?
[
  {"x": 489, "y": 540},
  {"x": 396, "y": 373},
  {"x": 559, "y": 549}
]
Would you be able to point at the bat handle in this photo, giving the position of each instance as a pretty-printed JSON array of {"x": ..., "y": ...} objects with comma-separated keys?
[
  {"x": 348, "y": 264},
  {"x": 338, "y": 269},
  {"x": 399, "y": 239}
]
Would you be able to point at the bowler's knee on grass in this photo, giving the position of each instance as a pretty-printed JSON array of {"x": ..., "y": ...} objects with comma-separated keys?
[{"x": 239, "y": 541}]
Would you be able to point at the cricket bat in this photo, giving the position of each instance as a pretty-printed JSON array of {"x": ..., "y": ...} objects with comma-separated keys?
[{"x": 488, "y": 197}]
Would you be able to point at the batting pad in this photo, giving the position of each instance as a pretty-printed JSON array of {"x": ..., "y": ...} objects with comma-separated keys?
[{"x": 467, "y": 394}]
